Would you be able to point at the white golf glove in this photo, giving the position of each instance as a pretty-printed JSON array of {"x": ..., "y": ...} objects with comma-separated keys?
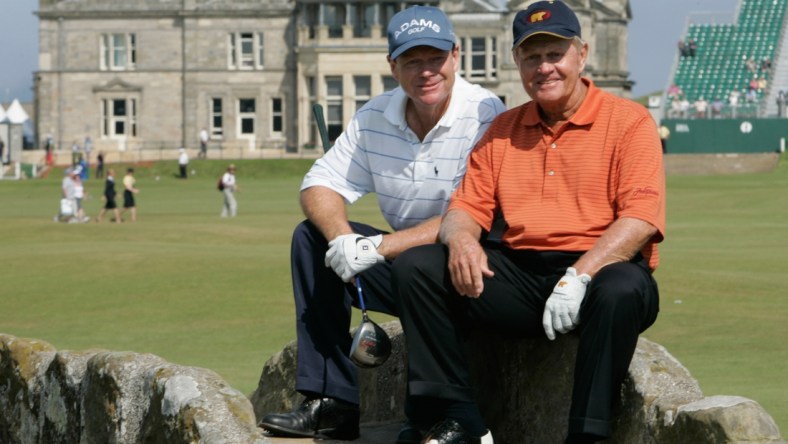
[
  {"x": 562, "y": 311},
  {"x": 350, "y": 254}
]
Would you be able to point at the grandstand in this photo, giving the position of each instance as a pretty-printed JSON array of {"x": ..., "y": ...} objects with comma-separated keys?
[{"x": 720, "y": 63}]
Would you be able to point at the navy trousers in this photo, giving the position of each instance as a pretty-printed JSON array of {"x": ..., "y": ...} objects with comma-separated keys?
[
  {"x": 621, "y": 301},
  {"x": 323, "y": 313}
]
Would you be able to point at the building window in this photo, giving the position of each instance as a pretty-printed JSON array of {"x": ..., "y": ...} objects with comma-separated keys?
[
  {"x": 334, "y": 107},
  {"x": 387, "y": 11},
  {"x": 479, "y": 58},
  {"x": 246, "y": 117},
  {"x": 119, "y": 118},
  {"x": 334, "y": 19},
  {"x": 118, "y": 52},
  {"x": 363, "y": 16},
  {"x": 246, "y": 50},
  {"x": 217, "y": 121},
  {"x": 363, "y": 86},
  {"x": 311, "y": 18},
  {"x": 389, "y": 83},
  {"x": 277, "y": 116}
]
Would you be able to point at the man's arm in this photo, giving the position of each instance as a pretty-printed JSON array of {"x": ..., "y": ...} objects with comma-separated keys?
[
  {"x": 467, "y": 259},
  {"x": 620, "y": 243},
  {"x": 326, "y": 209}
]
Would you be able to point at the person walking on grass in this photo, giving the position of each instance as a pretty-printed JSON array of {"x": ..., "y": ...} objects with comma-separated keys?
[
  {"x": 229, "y": 187},
  {"x": 183, "y": 163},
  {"x": 109, "y": 198},
  {"x": 129, "y": 190}
]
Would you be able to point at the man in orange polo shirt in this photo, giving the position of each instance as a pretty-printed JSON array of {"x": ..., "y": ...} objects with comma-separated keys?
[{"x": 578, "y": 175}]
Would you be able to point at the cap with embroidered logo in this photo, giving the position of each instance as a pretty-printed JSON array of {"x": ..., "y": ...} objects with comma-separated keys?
[
  {"x": 550, "y": 17},
  {"x": 419, "y": 26}
]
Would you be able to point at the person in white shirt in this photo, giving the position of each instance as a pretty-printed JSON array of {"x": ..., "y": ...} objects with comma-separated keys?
[
  {"x": 79, "y": 195},
  {"x": 203, "y": 144},
  {"x": 229, "y": 187},
  {"x": 183, "y": 163},
  {"x": 409, "y": 146}
]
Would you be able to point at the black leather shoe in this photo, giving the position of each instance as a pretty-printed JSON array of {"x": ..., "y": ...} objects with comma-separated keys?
[
  {"x": 409, "y": 434},
  {"x": 450, "y": 431},
  {"x": 316, "y": 417}
]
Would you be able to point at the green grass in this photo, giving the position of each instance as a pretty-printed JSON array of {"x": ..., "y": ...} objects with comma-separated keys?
[{"x": 202, "y": 291}]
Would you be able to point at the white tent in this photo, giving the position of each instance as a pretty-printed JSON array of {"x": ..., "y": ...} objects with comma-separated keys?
[
  {"x": 2, "y": 113},
  {"x": 15, "y": 113}
]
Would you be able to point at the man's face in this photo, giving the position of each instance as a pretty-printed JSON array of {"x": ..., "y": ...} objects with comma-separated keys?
[
  {"x": 426, "y": 73},
  {"x": 550, "y": 68}
]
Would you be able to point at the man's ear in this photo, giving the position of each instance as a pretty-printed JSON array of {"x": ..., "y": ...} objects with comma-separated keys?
[
  {"x": 583, "y": 57},
  {"x": 393, "y": 67}
]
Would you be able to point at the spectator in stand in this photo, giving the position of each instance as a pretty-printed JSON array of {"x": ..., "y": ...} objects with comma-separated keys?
[
  {"x": 781, "y": 99},
  {"x": 674, "y": 91},
  {"x": 766, "y": 65},
  {"x": 716, "y": 108},
  {"x": 675, "y": 108},
  {"x": 692, "y": 47},
  {"x": 751, "y": 96},
  {"x": 751, "y": 65},
  {"x": 753, "y": 85},
  {"x": 684, "y": 106},
  {"x": 683, "y": 50},
  {"x": 762, "y": 83},
  {"x": 701, "y": 106},
  {"x": 733, "y": 99}
]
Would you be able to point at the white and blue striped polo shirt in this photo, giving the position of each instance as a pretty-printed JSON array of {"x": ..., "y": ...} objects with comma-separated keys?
[{"x": 413, "y": 180}]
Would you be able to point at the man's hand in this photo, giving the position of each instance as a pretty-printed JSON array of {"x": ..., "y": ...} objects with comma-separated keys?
[
  {"x": 350, "y": 254},
  {"x": 468, "y": 266},
  {"x": 562, "y": 311}
]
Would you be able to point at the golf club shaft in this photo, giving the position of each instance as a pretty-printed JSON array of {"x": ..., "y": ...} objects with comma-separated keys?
[
  {"x": 360, "y": 296},
  {"x": 317, "y": 110}
]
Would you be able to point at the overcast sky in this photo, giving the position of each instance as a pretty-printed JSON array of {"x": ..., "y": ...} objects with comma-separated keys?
[{"x": 653, "y": 32}]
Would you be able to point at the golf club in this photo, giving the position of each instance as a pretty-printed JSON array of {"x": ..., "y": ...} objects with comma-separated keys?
[
  {"x": 371, "y": 345},
  {"x": 317, "y": 110}
]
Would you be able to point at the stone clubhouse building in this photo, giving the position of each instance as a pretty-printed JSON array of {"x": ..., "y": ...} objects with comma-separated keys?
[{"x": 151, "y": 74}]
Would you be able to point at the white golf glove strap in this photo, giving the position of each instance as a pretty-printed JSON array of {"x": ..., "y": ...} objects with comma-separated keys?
[
  {"x": 350, "y": 254},
  {"x": 562, "y": 311}
]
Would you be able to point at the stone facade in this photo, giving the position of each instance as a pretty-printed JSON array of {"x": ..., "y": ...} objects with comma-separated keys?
[{"x": 150, "y": 74}]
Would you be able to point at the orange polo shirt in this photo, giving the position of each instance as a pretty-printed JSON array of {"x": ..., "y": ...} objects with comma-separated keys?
[{"x": 562, "y": 190}]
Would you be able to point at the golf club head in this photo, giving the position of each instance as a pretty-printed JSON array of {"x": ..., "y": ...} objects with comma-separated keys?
[{"x": 371, "y": 345}]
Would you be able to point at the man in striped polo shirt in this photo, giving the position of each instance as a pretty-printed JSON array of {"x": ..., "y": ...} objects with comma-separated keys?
[
  {"x": 577, "y": 173},
  {"x": 409, "y": 146}
]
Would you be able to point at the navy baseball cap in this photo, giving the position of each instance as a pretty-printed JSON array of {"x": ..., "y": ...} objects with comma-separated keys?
[
  {"x": 550, "y": 17},
  {"x": 419, "y": 26}
]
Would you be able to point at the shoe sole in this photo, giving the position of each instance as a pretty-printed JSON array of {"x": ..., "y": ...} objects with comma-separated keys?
[{"x": 338, "y": 434}]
